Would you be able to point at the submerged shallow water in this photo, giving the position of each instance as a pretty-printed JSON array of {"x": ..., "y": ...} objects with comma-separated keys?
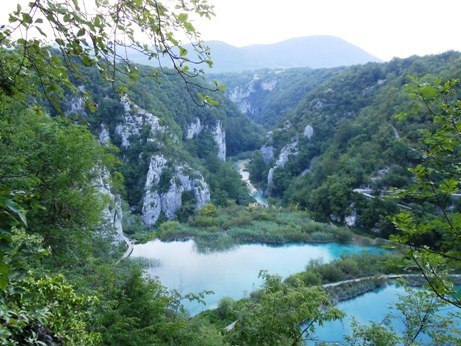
[
  {"x": 372, "y": 306},
  {"x": 232, "y": 273}
]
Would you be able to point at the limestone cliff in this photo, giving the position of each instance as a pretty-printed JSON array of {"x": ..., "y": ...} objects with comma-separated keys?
[
  {"x": 112, "y": 214},
  {"x": 246, "y": 96},
  {"x": 219, "y": 136},
  {"x": 287, "y": 151},
  {"x": 182, "y": 179},
  {"x": 134, "y": 120},
  {"x": 194, "y": 129},
  {"x": 217, "y": 131}
]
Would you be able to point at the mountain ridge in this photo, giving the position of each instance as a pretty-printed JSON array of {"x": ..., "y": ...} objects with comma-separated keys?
[
  {"x": 309, "y": 51},
  {"x": 320, "y": 51}
]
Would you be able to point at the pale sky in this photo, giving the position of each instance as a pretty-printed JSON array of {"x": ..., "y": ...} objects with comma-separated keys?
[{"x": 384, "y": 28}]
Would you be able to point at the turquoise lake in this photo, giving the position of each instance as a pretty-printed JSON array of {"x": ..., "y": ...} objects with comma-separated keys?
[
  {"x": 232, "y": 273},
  {"x": 371, "y": 306}
]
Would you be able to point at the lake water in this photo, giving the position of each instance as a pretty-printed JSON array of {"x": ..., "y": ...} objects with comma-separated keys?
[
  {"x": 232, "y": 273},
  {"x": 371, "y": 306}
]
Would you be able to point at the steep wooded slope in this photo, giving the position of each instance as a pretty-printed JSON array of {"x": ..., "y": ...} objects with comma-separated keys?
[
  {"x": 173, "y": 150},
  {"x": 343, "y": 136}
]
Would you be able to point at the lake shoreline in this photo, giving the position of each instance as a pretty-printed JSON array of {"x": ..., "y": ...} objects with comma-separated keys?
[{"x": 237, "y": 225}]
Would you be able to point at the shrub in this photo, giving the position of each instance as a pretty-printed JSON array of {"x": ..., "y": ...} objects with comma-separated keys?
[
  {"x": 225, "y": 307},
  {"x": 205, "y": 221},
  {"x": 343, "y": 235},
  {"x": 331, "y": 273},
  {"x": 320, "y": 237}
]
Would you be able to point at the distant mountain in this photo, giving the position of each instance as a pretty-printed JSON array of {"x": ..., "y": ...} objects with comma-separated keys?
[{"x": 311, "y": 51}]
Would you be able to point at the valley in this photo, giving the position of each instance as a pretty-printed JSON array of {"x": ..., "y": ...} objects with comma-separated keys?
[{"x": 254, "y": 203}]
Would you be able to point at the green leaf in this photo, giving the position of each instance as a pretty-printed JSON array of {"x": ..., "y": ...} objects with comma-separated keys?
[
  {"x": 86, "y": 60},
  {"x": 182, "y": 51}
]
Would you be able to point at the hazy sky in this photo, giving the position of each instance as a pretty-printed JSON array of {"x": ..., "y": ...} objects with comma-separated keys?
[{"x": 384, "y": 28}]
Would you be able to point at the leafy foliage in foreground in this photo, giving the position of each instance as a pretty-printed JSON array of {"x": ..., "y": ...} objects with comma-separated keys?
[
  {"x": 431, "y": 235},
  {"x": 420, "y": 313},
  {"x": 274, "y": 313}
]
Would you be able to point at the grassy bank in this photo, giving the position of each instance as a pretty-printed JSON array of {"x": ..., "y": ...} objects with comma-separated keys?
[{"x": 214, "y": 228}]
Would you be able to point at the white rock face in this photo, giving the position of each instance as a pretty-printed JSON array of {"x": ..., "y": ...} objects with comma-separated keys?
[
  {"x": 219, "y": 136},
  {"x": 112, "y": 214},
  {"x": 152, "y": 203},
  {"x": 268, "y": 153},
  {"x": 270, "y": 181},
  {"x": 76, "y": 106},
  {"x": 170, "y": 201},
  {"x": 104, "y": 136},
  {"x": 269, "y": 85},
  {"x": 287, "y": 151},
  {"x": 241, "y": 95},
  {"x": 308, "y": 131},
  {"x": 134, "y": 120},
  {"x": 218, "y": 133},
  {"x": 194, "y": 129},
  {"x": 351, "y": 220},
  {"x": 246, "y": 107}
]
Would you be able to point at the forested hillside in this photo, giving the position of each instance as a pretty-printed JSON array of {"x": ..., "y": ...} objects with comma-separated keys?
[
  {"x": 97, "y": 153},
  {"x": 170, "y": 144},
  {"x": 341, "y": 145},
  {"x": 266, "y": 96}
]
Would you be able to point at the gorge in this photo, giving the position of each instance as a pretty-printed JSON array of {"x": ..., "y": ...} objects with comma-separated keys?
[{"x": 127, "y": 192}]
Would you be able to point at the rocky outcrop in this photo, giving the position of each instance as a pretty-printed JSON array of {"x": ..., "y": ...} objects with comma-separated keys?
[
  {"x": 308, "y": 169},
  {"x": 268, "y": 153},
  {"x": 351, "y": 219},
  {"x": 77, "y": 106},
  {"x": 268, "y": 85},
  {"x": 112, "y": 213},
  {"x": 194, "y": 129},
  {"x": 219, "y": 136},
  {"x": 317, "y": 104},
  {"x": 245, "y": 96},
  {"x": 287, "y": 151},
  {"x": 308, "y": 132},
  {"x": 217, "y": 131},
  {"x": 104, "y": 136},
  {"x": 370, "y": 88},
  {"x": 182, "y": 179},
  {"x": 152, "y": 205},
  {"x": 240, "y": 96},
  {"x": 77, "y": 103},
  {"x": 134, "y": 120}
]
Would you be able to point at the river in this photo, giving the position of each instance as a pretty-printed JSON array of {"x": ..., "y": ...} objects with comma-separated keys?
[{"x": 257, "y": 194}]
